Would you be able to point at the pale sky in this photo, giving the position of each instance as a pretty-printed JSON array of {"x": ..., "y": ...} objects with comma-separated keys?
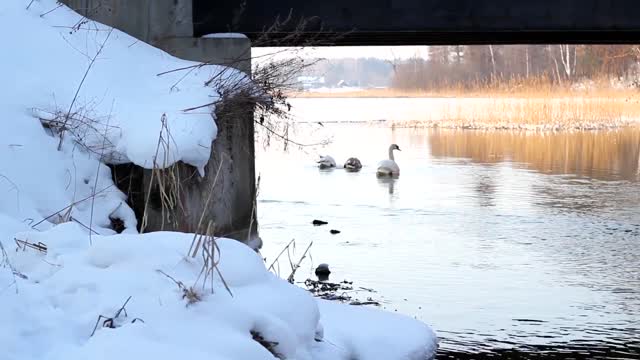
[{"x": 336, "y": 52}]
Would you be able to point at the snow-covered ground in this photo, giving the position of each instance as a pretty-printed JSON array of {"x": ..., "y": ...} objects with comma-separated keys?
[
  {"x": 52, "y": 314},
  {"x": 60, "y": 195}
]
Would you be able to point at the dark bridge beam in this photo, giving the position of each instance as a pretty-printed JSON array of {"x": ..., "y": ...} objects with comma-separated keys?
[{"x": 432, "y": 22}]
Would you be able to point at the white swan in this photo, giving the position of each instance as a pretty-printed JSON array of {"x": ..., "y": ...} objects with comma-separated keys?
[
  {"x": 352, "y": 165},
  {"x": 326, "y": 162},
  {"x": 389, "y": 167}
]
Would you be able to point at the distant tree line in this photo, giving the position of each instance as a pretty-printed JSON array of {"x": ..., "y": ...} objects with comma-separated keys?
[
  {"x": 360, "y": 72},
  {"x": 486, "y": 65}
]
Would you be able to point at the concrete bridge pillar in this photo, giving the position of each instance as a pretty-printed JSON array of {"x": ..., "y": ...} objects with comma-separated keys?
[
  {"x": 168, "y": 25},
  {"x": 147, "y": 20}
]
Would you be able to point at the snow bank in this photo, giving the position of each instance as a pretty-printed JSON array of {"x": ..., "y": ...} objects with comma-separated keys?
[
  {"x": 122, "y": 96},
  {"x": 52, "y": 311},
  {"x": 366, "y": 333}
]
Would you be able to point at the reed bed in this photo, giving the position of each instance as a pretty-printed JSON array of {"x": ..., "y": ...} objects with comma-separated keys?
[
  {"x": 522, "y": 113},
  {"x": 535, "y": 104},
  {"x": 521, "y": 88}
]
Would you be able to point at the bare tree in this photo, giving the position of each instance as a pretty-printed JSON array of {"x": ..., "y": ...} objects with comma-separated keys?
[
  {"x": 493, "y": 63},
  {"x": 568, "y": 59},
  {"x": 526, "y": 60}
]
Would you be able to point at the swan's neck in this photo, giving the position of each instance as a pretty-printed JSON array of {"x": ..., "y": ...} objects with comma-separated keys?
[{"x": 391, "y": 154}]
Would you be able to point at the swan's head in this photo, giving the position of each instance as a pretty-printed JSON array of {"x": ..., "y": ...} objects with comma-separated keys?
[{"x": 394, "y": 147}]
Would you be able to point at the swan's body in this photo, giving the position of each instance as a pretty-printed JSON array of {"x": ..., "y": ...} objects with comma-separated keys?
[
  {"x": 326, "y": 162},
  {"x": 353, "y": 165},
  {"x": 389, "y": 167}
]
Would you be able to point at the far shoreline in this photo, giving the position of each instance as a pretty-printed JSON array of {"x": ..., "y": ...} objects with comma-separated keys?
[
  {"x": 525, "y": 108},
  {"x": 542, "y": 92}
]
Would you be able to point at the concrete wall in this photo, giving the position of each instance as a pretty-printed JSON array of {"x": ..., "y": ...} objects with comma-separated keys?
[
  {"x": 147, "y": 20},
  {"x": 233, "y": 52},
  {"x": 167, "y": 24},
  {"x": 231, "y": 175}
]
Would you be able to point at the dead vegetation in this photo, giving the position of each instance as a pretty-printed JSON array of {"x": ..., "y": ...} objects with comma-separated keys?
[
  {"x": 164, "y": 187},
  {"x": 25, "y": 244},
  {"x": 524, "y": 113},
  {"x": 189, "y": 293},
  {"x": 529, "y": 114},
  {"x": 269, "y": 345},
  {"x": 205, "y": 245},
  {"x": 263, "y": 94},
  {"x": 111, "y": 321},
  {"x": 343, "y": 292},
  {"x": 290, "y": 250},
  {"x": 6, "y": 263}
]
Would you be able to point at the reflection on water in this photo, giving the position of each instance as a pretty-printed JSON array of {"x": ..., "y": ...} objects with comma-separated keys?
[
  {"x": 606, "y": 155},
  {"x": 387, "y": 183},
  {"x": 511, "y": 245}
]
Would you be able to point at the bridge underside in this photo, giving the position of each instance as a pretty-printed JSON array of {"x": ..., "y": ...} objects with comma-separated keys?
[{"x": 423, "y": 22}]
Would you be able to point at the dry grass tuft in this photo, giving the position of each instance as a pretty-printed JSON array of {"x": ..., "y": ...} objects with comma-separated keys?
[
  {"x": 188, "y": 292},
  {"x": 165, "y": 181},
  {"x": 205, "y": 245},
  {"x": 191, "y": 295},
  {"x": 290, "y": 250}
]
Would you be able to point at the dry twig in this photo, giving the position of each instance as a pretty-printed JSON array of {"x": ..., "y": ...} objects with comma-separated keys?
[
  {"x": 297, "y": 266},
  {"x": 109, "y": 322},
  {"x": 84, "y": 77},
  {"x": 7, "y": 264}
]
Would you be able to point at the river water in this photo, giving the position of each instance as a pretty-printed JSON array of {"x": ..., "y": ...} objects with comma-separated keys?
[{"x": 509, "y": 244}]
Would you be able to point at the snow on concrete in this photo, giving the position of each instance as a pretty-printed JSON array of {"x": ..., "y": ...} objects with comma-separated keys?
[
  {"x": 123, "y": 97},
  {"x": 225, "y": 36}
]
